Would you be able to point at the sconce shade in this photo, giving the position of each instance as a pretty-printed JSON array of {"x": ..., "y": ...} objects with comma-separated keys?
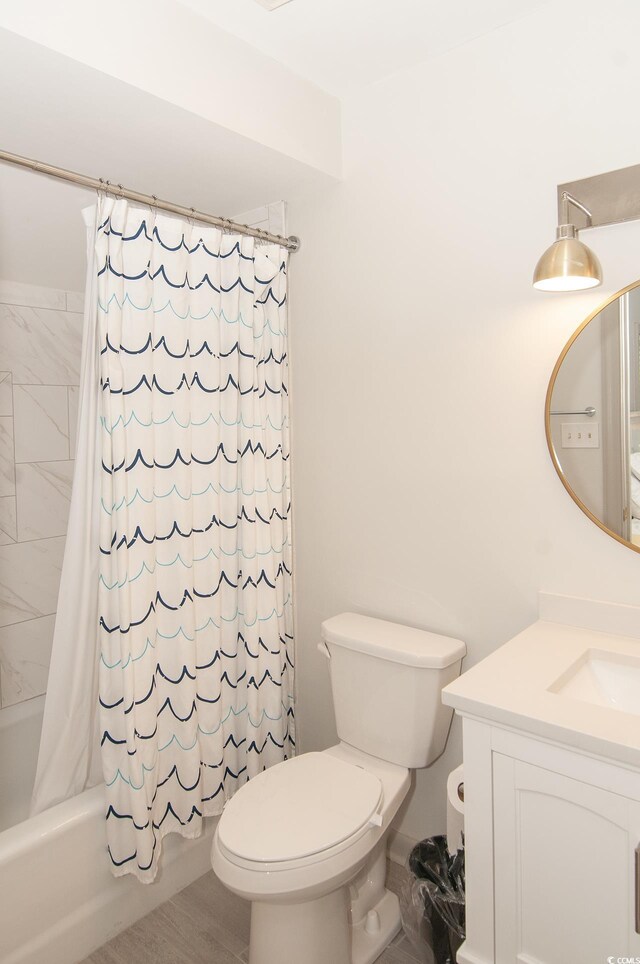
[{"x": 568, "y": 265}]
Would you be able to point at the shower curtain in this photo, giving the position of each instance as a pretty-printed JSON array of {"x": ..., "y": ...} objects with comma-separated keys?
[{"x": 180, "y": 532}]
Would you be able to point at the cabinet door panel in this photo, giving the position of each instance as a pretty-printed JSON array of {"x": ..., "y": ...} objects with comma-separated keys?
[{"x": 564, "y": 868}]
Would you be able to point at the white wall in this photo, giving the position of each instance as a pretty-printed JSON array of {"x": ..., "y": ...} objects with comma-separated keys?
[{"x": 424, "y": 491}]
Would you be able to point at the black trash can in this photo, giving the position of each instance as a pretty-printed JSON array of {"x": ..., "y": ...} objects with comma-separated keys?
[{"x": 432, "y": 902}]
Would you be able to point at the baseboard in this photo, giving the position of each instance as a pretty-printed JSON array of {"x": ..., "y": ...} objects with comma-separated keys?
[
  {"x": 399, "y": 847},
  {"x": 465, "y": 956}
]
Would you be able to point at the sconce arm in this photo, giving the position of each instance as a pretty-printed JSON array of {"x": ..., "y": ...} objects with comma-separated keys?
[{"x": 565, "y": 200}]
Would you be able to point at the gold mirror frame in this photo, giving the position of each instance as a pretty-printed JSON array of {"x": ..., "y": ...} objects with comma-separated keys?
[{"x": 547, "y": 415}]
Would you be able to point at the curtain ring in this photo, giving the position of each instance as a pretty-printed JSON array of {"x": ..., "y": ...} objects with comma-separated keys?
[{"x": 153, "y": 210}]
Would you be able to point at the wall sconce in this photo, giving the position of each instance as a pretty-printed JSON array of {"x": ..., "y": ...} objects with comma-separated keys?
[{"x": 569, "y": 265}]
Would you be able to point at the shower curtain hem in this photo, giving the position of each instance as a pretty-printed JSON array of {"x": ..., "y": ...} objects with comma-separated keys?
[{"x": 149, "y": 876}]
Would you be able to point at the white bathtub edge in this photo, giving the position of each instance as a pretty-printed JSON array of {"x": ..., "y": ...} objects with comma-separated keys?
[{"x": 118, "y": 903}]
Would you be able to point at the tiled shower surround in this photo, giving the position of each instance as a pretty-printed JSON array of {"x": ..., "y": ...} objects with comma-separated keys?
[{"x": 40, "y": 344}]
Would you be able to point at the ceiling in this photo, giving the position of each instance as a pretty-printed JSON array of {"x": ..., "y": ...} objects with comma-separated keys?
[{"x": 341, "y": 45}]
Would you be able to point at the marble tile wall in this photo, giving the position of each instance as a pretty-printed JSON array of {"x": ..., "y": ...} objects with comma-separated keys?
[{"x": 40, "y": 344}]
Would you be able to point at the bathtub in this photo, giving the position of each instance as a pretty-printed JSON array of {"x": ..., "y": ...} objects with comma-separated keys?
[{"x": 58, "y": 899}]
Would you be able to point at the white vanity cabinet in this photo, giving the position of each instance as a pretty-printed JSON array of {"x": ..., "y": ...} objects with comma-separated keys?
[
  {"x": 551, "y": 838},
  {"x": 551, "y": 744}
]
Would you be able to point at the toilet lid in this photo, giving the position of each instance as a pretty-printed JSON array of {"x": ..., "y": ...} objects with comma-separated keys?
[{"x": 297, "y": 808}]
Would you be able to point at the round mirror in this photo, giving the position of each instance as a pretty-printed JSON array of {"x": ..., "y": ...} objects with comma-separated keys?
[{"x": 593, "y": 416}]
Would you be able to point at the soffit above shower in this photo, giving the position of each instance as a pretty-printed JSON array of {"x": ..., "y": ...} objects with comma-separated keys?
[
  {"x": 228, "y": 174},
  {"x": 341, "y": 45}
]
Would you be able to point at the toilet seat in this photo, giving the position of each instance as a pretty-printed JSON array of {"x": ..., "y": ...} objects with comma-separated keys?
[{"x": 299, "y": 810}]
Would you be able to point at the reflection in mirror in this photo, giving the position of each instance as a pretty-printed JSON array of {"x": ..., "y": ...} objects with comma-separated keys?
[{"x": 593, "y": 416}]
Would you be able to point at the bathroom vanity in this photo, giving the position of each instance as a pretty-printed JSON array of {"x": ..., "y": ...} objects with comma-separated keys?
[{"x": 551, "y": 725}]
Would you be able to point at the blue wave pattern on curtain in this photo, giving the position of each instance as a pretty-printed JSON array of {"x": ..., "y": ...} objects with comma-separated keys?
[{"x": 196, "y": 666}]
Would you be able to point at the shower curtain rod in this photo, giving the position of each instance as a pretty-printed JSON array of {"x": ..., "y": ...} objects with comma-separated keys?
[{"x": 292, "y": 243}]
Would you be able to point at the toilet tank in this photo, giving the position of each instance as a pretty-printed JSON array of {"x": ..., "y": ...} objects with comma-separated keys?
[{"x": 387, "y": 681}]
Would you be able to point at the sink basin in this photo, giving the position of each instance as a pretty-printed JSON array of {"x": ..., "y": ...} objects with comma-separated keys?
[{"x": 604, "y": 679}]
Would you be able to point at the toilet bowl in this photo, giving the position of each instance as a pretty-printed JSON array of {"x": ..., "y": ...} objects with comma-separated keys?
[
  {"x": 315, "y": 832},
  {"x": 305, "y": 841}
]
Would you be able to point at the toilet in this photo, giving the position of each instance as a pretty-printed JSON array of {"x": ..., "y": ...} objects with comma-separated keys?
[{"x": 305, "y": 841}]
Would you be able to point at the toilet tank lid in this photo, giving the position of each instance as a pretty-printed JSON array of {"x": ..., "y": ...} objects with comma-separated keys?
[{"x": 391, "y": 641}]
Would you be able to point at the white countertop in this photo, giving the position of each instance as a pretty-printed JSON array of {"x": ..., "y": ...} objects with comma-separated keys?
[{"x": 511, "y": 687}]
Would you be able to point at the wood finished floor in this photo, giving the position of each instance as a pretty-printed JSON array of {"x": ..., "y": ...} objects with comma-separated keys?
[{"x": 206, "y": 924}]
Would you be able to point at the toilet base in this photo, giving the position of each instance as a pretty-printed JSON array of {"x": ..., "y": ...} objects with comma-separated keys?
[
  {"x": 375, "y": 911},
  {"x": 312, "y": 932},
  {"x": 350, "y": 925},
  {"x": 367, "y": 947},
  {"x": 318, "y": 931}
]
